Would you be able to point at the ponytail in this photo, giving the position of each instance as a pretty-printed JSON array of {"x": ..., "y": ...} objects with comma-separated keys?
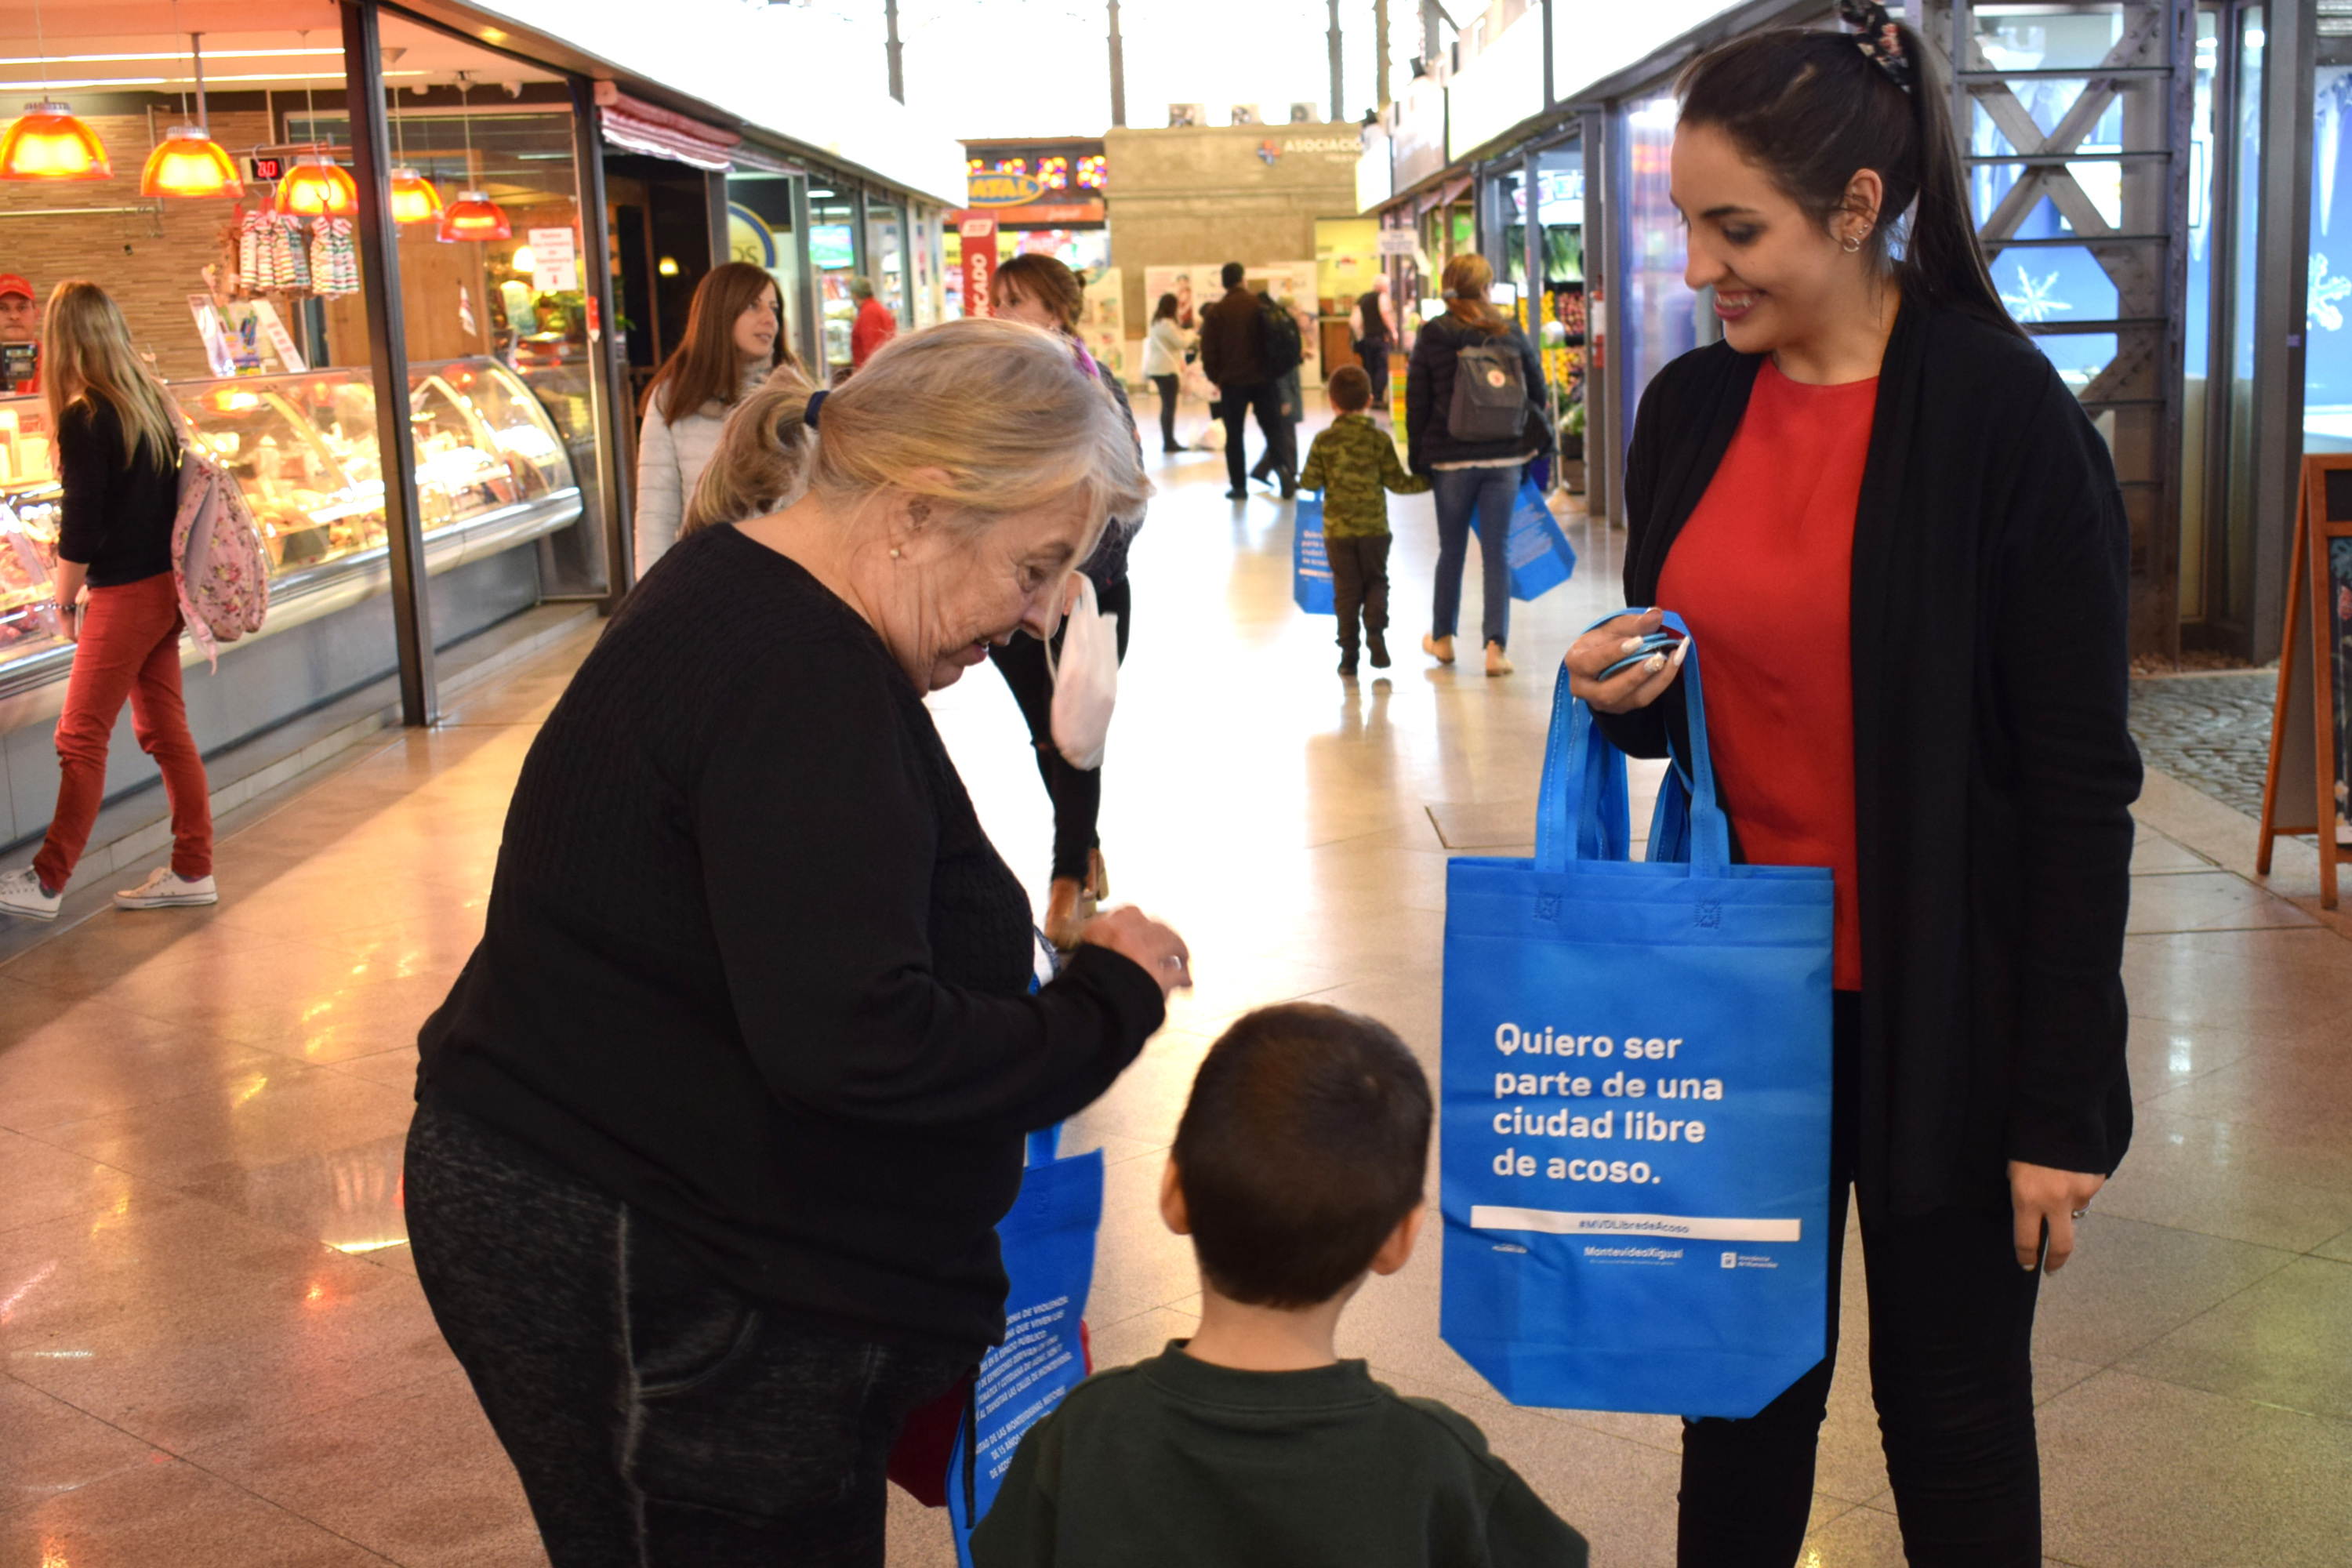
[
  {"x": 762, "y": 463},
  {"x": 1810, "y": 108}
]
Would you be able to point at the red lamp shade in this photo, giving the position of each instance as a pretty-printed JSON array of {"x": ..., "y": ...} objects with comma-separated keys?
[
  {"x": 414, "y": 199},
  {"x": 473, "y": 216},
  {"x": 317, "y": 186},
  {"x": 187, "y": 163},
  {"x": 46, "y": 143}
]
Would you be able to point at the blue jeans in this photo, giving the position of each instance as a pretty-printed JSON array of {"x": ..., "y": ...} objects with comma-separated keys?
[
  {"x": 658, "y": 1418},
  {"x": 1483, "y": 495}
]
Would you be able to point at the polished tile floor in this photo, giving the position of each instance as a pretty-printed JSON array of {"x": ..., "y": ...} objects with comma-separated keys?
[{"x": 212, "y": 1350}]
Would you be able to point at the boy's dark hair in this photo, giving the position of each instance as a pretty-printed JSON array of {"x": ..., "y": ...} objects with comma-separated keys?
[
  {"x": 1349, "y": 389},
  {"x": 1305, "y": 1142},
  {"x": 1230, "y": 275}
]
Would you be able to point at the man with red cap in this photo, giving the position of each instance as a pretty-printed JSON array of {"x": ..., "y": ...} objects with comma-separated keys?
[{"x": 20, "y": 322}]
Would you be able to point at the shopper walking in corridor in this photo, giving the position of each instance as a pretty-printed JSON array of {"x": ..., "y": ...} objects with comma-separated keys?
[
  {"x": 1474, "y": 469},
  {"x": 1039, "y": 291},
  {"x": 714, "y": 1130},
  {"x": 1235, "y": 355},
  {"x": 1901, "y": 543},
  {"x": 1372, "y": 325},
  {"x": 734, "y": 337},
  {"x": 1164, "y": 349},
  {"x": 118, "y": 466}
]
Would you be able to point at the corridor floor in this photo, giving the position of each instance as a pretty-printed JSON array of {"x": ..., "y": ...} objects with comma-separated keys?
[{"x": 213, "y": 1349}]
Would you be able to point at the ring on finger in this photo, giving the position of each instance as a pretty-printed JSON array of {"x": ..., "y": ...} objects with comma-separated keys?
[{"x": 2079, "y": 1213}]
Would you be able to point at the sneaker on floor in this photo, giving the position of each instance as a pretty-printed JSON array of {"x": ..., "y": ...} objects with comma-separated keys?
[
  {"x": 1497, "y": 664},
  {"x": 1237, "y": 495},
  {"x": 1376, "y": 644},
  {"x": 166, "y": 889},
  {"x": 1347, "y": 666},
  {"x": 1439, "y": 648},
  {"x": 21, "y": 893}
]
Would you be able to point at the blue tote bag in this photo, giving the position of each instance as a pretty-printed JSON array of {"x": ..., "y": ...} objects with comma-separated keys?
[
  {"x": 1541, "y": 557},
  {"x": 1048, "y": 1242},
  {"x": 1636, "y": 1098},
  {"x": 1310, "y": 563}
]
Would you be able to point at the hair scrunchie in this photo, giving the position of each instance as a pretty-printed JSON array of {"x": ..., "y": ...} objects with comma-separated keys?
[
  {"x": 816, "y": 401},
  {"x": 1876, "y": 36}
]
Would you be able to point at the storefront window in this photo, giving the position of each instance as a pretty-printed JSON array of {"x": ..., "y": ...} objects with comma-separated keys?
[
  {"x": 886, "y": 253},
  {"x": 834, "y": 255},
  {"x": 2232, "y": 597},
  {"x": 1659, "y": 308},
  {"x": 1560, "y": 332},
  {"x": 759, "y": 231},
  {"x": 2327, "y": 359}
]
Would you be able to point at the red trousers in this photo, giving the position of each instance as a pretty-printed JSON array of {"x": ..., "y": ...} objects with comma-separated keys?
[{"x": 129, "y": 648}]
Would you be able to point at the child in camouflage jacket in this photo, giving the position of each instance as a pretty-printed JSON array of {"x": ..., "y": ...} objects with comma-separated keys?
[{"x": 1354, "y": 463}]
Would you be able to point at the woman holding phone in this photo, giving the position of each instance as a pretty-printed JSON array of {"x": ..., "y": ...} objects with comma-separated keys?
[{"x": 1902, "y": 544}]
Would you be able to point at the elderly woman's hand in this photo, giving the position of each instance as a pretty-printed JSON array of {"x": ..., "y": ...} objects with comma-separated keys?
[
  {"x": 1129, "y": 931},
  {"x": 1606, "y": 643}
]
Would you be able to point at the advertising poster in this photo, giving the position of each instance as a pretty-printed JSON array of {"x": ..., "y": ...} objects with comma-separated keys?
[
  {"x": 977, "y": 236},
  {"x": 1102, "y": 321},
  {"x": 1194, "y": 287},
  {"x": 1293, "y": 283},
  {"x": 2339, "y": 652}
]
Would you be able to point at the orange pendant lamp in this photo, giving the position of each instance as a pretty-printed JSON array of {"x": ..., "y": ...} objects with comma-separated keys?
[
  {"x": 188, "y": 162},
  {"x": 48, "y": 143},
  {"x": 414, "y": 198},
  {"x": 473, "y": 216},
  {"x": 317, "y": 186}
]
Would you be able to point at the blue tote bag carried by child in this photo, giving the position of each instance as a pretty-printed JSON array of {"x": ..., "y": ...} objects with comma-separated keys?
[
  {"x": 1541, "y": 557},
  {"x": 1310, "y": 563},
  {"x": 1636, "y": 1098},
  {"x": 1049, "y": 1256}
]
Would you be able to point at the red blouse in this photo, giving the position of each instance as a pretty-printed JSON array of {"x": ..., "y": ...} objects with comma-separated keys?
[{"x": 1763, "y": 574}]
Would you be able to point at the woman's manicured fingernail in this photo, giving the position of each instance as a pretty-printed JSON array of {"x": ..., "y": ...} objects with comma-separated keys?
[
  {"x": 1680, "y": 648},
  {"x": 1657, "y": 662},
  {"x": 1629, "y": 644}
]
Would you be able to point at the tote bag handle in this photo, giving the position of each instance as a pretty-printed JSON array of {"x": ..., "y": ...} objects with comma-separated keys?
[{"x": 1581, "y": 811}]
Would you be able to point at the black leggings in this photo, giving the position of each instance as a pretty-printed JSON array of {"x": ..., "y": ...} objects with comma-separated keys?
[
  {"x": 1166, "y": 385},
  {"x": 658, "y": 1418},
  {"x": 1077, "y": 793},
  {"x": 1951, "y": 1326}
]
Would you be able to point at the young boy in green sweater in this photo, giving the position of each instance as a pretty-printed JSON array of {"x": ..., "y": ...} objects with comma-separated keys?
[
  {"x": 1297, "y": 1173},
  {"x": 1354, "y": 463}
]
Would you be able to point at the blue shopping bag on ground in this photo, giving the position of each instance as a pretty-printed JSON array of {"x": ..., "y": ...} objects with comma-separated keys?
[
  {"x": 1636, "y": 1098},
  {"x": 1310, "y": 563},
  {"x": 1539, "y": 554},
  {"x": 1049, "y": 1256}
]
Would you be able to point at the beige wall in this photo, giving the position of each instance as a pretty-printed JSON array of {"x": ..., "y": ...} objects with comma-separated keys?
[
  {"x": 150, "y": 278},
  {"x": 1205, "y": 194}
]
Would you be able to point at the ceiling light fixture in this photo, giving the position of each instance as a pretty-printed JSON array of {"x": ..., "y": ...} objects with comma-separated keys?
[
  {"x": 473, "y": 216},
  {"x": 316, "y": 186},
  {"x": 414, "y": 197},
  {"x": 188, "y": 162},
  {"x": 46, "y": 143}
]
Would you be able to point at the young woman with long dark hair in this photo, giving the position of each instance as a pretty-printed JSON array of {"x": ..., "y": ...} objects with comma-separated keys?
[
  {"x": 734, "y": 336},
  {"x": 1901, "y": 544},
  {"x": 1164, "y": 347},
  {"x": 118, "y": 601}
]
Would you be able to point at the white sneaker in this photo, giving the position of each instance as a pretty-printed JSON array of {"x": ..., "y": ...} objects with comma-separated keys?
[
  {"x": 21, "y": 894},
  {"x": 164, "y": 889}
]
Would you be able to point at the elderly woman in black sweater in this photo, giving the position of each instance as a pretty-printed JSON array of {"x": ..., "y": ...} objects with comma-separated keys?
[{"x": 714, "y": 1130}]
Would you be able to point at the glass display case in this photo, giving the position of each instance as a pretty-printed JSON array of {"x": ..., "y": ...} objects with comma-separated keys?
[{"x": 491, "y": 470}]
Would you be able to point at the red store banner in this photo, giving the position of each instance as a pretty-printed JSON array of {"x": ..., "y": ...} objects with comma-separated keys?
[{"x": 979, "y": 235}]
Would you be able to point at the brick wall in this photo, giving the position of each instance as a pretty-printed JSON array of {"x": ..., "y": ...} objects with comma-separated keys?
[{"x": 150, "y": 276}]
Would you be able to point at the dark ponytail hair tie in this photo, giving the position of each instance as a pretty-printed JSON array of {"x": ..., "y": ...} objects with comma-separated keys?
[
  {"x": 815, "y": 401},
  {"x": 1876, "y": 36}
]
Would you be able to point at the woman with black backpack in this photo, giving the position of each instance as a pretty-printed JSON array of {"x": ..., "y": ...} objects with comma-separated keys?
[{"x": 1473, "y": 435}]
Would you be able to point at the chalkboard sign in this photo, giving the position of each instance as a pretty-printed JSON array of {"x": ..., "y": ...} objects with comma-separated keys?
[{"x": 2308, "y": 788}]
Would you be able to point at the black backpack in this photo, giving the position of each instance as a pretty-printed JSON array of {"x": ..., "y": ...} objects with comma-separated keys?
[
  {"x": 1490, "y": 392},
  {"x": 1284, "y": 351}
]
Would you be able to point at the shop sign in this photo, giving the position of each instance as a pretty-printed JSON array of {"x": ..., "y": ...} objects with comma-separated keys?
[
  {"x": 554, "y": 261},
  {"x": 1502, "y": 86},
  {"x": 979, "y": 235},
  {"x": 1002, "y": 190},
  {"x": 1399, "y": 242}
]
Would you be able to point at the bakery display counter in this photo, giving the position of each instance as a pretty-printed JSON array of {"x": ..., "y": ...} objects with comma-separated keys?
[{"x": 492, "y": 471}]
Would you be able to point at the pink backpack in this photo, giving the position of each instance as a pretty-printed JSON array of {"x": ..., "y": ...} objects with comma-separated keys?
[{"x": 222, "y": 570}]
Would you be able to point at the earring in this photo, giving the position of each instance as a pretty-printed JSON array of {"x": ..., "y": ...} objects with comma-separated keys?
[
  {"x": 894, "y": 552},
  {"x": 1852, "y": 244}
]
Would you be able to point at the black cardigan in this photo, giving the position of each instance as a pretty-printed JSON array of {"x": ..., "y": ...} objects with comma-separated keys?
[
  {"x": 1429, "y": 397},
  {"x": 751, "y": 966},
  {"x": 1993, "y": 770},
  {"x": 118, "y": 516}
]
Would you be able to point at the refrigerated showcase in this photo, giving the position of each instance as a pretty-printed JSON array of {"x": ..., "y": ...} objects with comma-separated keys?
[{"x": 492, "y": 471}]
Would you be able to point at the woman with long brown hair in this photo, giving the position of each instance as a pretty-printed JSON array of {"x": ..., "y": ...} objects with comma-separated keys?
[
  {"x": 1476, "y": 479},
  {"x": 118, "y": 601},
  {"x": 734, "y": 336},
  {"x": 1900, "y": 539}
]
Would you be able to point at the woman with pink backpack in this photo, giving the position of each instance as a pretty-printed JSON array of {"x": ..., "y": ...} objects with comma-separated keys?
[{"x": 118, "y": 445}]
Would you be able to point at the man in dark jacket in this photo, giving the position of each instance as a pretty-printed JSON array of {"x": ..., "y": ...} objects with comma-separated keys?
[{"x": 1234, "y": 355}]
